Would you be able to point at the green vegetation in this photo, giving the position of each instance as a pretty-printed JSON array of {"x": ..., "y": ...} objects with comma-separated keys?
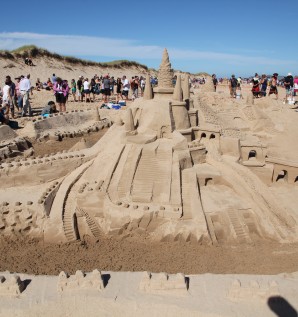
[
  {"x": 202, "y": 74},
  {"x": 34, "y": 51}
]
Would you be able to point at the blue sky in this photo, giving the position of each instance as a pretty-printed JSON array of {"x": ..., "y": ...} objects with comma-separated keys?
[{"x": 222, "y": 37}]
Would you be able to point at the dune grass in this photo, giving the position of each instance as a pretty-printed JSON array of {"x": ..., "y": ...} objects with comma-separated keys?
[{"x": 34, "y": 51}]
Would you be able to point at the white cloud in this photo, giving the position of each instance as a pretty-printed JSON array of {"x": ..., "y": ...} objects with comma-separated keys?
[
  {"x": 80, "y": 45},
  {"x": 121, "y": 48}
]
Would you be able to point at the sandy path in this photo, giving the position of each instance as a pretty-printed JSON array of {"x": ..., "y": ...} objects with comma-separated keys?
[{"x": 136, "y": 255}]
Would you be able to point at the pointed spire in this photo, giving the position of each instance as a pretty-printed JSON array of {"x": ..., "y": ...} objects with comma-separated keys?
[
  {"x": 165, "y": 73},
  {"x": 148, "y": 93},
  {"x": 177, "y": 95}
]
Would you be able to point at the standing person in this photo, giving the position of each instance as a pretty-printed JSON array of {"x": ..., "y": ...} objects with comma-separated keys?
[
  {"x": 273, "y": 85},
  {"x": 92, "y": 89},
  {"x": 264, "y": 84},
  {"x": 97, "y": 86},
  {"x": 73, "y": 87},
  {"x": 295, "y": 85},
  {"x": 112, "y": 85},
  {"x": 6, "y": 97},
  {"x": 61, "y": 90},
  {"x": 132, "y": 85},
  {"x": 233, "y": 85},
  {"x": 215, "y": 81},
  {"x": 65, "y": 87},
  {"x": 142, "y": 84},
  {"x": 289, "y": 82},
  {"x": 18, "y": 96},
  {"x": 106, "y": 88},
  {"x": 86, "y": 90},
  {"x": 79, "y": 88},
  {"x": 256, "y": 86},
  {"x": 136, "y": 87},
  {"x": 239, "y": 82},
  {"x": 25, "y": 88},
  {"x": 12, "y": 95},
  {"x": 125, "y": 88},
  {"x": 118, "y": 88}
]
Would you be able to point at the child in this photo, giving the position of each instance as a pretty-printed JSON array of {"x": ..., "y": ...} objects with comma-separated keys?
[{"x": 4, "y": 113}]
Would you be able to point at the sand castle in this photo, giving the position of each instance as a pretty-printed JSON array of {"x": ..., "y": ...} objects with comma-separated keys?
[
  {"x": 177, "y": 165},
  {"x": 163, "y": 170}
]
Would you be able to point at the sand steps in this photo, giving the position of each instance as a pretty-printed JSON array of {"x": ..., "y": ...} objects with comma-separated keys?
[
  {"x": 68, "y": 217},
  {"x": 162, "y": 182},
  {"x": 125, "y": 182},
  {"x": 186, "y": 194},
  {"x": 146, "y": 171},
  {"x": 113, "y": 187},
  {"x": 241, "y": 234},
  {"x": 91, "y": 223}
]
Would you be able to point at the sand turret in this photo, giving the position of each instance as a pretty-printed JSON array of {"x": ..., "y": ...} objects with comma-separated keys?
[
  {"x": 185, "y": 88},
  {"x": 148, "y": 93},
  {"x": 178, "y": 90}
]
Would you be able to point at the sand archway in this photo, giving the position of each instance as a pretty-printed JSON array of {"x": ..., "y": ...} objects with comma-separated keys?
[
  {"x": 252, "y": 154},
  {"x": 282, "y": 176}
]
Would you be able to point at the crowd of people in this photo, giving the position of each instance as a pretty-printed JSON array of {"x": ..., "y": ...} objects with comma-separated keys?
[
  {"x": 85, "y": 90},
  {"x": 263, "y": 85},
  {"x": 15, "y": 96}
]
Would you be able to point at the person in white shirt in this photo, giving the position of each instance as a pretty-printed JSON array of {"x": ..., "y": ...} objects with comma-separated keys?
[
  {"x": 25, "y": 88},
  {"x": 142, "y": 83},
  {"x": 6, "y": 98},
  {"x": 86, "y": 90},
  {"x": 125, "y": 90}
]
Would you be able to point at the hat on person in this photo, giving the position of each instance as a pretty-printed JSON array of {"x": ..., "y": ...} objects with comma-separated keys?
[
  {"x": 18, "y": 77},
  {"x": 233, "y": 75},
  {"x": 289, "y": 74}
]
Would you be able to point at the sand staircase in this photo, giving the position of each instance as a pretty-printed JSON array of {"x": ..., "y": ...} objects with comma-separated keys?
[
  {"x": 142, "y": 190},
  {"x": 68, "y": 216},
  {"x": 91, "y": 223},
  {"x": 116, "y": 175},
  {"x": 162, "y": 182},
  {"x": 186, "y": 193},
  {"x": 125, "y": 182},
  {"x": 238, "y": 227}
]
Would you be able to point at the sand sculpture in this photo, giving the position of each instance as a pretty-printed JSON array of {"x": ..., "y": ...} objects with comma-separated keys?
[
  {"x": 176, "y": 165},
  {"x": 164, "y": 170}
]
